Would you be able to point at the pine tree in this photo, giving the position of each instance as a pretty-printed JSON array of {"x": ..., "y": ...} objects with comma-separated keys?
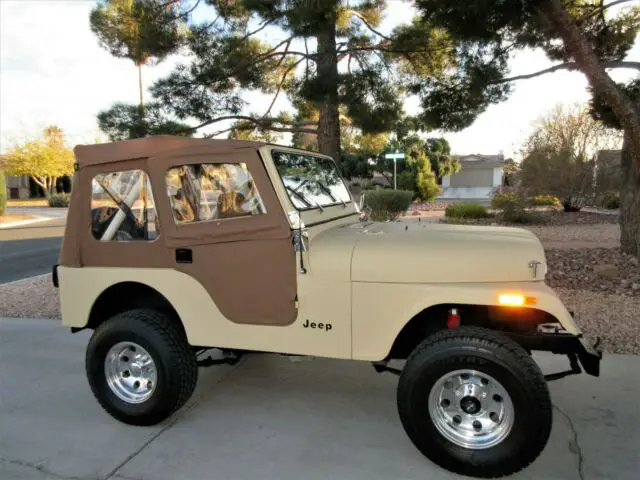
[{"x": 328, "y": 57}]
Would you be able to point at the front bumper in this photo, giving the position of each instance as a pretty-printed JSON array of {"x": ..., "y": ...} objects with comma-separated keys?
[{"x": 576, "y": 347}]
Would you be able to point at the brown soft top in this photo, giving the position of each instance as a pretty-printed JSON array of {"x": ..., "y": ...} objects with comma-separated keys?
[{"x": 149, "y": 146}]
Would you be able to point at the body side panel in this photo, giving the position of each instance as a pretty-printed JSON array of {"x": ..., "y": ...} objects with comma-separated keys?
[
  {"x": 321, "y": 302},
  {"x": 381, "y": 310}
]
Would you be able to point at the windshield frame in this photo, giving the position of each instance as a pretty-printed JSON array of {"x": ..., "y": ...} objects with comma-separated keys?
[{"x": 319, "y": 207}]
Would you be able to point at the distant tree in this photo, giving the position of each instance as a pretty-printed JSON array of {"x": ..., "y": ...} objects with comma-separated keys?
[
  {"x": 439, "y": 153},
  {"x": 144, "y": 31},
  {"x": 558, "y": 156},
  {"x": 44, "y": 159}
]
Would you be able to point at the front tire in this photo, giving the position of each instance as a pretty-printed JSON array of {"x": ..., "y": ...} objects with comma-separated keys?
[
  {"x": 474, "y": 402},
  {"x": 140, "y": 367}
]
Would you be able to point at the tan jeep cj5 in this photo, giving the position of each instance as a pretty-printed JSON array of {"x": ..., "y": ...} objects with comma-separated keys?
[{"x": 175, "y": 246}]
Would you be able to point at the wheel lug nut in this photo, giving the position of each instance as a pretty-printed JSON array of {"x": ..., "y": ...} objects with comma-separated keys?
[
  {"x": 125, "y": 359},
  {"x": 457, "y": 419},
  {"x": 149, "y": 385},
  {"x": 126, "y": 374},
  {"x": 477, "y": 425},
  {"x": 484, "y": 381},
  {"x": 445, "y": 403},
  {"x": 464, "y": 376},
  {"x": 137, "y": 384},
  {"x": 494, "y": 417},
  {"x": 497, "y": 398}
]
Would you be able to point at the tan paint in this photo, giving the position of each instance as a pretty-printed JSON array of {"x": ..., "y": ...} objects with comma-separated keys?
[
  {"x": 435, "y": 253},
  {"x": 381, "y": 310},
  {"x": 204, "y": 323}
]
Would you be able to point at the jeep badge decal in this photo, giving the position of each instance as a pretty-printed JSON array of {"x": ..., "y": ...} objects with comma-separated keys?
[{"x": 321, "y": 326}]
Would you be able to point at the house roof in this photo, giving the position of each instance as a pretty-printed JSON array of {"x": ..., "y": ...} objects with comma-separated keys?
[{"x": 478, "y": 160}]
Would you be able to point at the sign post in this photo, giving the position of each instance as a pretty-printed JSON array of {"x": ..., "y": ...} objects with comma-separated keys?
[{"x": 397, "y": 155}]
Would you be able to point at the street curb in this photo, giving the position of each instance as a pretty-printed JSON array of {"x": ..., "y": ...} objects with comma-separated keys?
[
  {"x": 15, "y": 282},
  {"x": 24, "y": 222}
]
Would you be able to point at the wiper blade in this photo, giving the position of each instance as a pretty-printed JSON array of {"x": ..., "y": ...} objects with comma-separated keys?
[
  {"x": 299, "y": 195},
  {"x": 326, "y": 190}
]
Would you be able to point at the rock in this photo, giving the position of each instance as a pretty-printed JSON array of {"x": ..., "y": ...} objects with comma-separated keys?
[
  {"x": 624, "y": 283},
  {"x": 634, "y": 261},
  {"x": 607, "y": 270},
  {"x": 635, "y": 287}
]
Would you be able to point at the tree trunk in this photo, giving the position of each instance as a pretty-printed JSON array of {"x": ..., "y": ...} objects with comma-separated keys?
[
  {"x": 626, "y": 111},
  {"x": 327, "y": 64},
  {"x": 589, "y": 63},
  {"x": 140, "y": 90},
  {"x": 42, "y": 182},
  {"x": 629, "y": 201}
]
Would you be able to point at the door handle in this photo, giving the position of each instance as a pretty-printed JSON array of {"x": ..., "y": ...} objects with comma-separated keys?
[{"x": 184, "y": 255}]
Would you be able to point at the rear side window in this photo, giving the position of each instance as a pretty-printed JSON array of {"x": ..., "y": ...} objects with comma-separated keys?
[
  {"x": 122, "y": 207},
  {"x": 205, "y": 192}
]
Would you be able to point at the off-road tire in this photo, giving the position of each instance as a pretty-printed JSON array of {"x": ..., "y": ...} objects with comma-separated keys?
[
  {"x": 491, "y": 353},
  {"x": 176, "y": 366}
]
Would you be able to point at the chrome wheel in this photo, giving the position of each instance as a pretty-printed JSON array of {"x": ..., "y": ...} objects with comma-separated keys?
[
  {"x": 471, "y": 409},
  {"x": 130, "y": 372}
]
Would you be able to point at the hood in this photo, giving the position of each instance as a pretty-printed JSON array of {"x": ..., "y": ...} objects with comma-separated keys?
[{"x": 411, "y": 252}]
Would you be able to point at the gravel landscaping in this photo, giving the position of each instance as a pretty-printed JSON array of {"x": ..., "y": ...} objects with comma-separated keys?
[{"x": 34, "y": 297}]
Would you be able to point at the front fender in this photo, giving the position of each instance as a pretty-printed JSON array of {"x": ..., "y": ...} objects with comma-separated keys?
[{"x": 381, "y": 310}]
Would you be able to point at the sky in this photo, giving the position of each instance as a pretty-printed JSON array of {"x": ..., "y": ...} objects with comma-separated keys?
[{"x": 53, "y": 71}]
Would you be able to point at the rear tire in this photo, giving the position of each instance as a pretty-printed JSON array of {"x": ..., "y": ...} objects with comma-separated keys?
[
  {"x": 140, "y": 367},
  {"x": 493, "y": 413}
]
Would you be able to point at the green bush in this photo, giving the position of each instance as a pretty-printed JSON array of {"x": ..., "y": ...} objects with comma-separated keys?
[
  {"x": 59, "y": 200},
  {"x": 466, "y": 210},
  {"x": 3, "y": 193},
  {"x": 387, "y": 204},
  {"x": 546, "y": 201}
]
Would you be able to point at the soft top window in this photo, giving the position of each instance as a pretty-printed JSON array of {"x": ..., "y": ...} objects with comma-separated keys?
[
  {"x": 204, "y": 192},
  {"x": 122, "y": 207}
]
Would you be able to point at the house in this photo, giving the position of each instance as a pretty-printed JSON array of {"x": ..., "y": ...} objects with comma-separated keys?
[
  {"x": 479, "y": 175},
  {"x": 18, "y": 187}
]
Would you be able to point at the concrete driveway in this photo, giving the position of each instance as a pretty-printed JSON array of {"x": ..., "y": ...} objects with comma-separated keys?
[{"x": 270, "y": 417}]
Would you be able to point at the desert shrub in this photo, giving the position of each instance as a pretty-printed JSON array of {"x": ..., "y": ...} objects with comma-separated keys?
[
  {"x": 501, "y": 198},
  {"x": 610, "y": 200},
  {"x": 512, "y": 204},
  {"x": 545, "y": 201},
  {"x": 387, "y": 204},
  {"x": 59, "y": 200},
  {"x": 3, "y": 193},
  {"x": 466, "y": 210}
]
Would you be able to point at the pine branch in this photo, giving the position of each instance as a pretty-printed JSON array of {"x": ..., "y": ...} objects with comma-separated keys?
[
  {"x": 368, "y": 25},
  {"x": 571, "y": 66},
  {"x": 284, "y": 77},
  {"x": 262, "y": 122},
  {"x": 262, "y": 26}
]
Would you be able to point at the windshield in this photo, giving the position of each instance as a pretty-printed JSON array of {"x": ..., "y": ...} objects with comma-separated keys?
[{"x": 310, "y": 181}]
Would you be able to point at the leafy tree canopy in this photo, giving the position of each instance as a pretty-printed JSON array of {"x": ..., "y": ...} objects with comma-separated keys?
[{"x": 44, "y": 158}]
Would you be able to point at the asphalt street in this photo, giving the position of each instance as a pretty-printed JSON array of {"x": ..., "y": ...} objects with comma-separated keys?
[{"x": 30, "y": 250}]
